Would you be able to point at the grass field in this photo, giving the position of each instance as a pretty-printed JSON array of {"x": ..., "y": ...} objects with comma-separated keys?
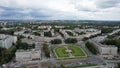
[
  {"x": 75, "y": 51},
  {"x": 61, "y": 52}
]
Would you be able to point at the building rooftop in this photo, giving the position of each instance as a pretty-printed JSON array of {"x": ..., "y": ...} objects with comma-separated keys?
[
  {"x": 102, "y": 45},
  {"x": 3, "y": 36},
  {"x": 28, "y": 50},
  {"x": 108, "y": 45}
]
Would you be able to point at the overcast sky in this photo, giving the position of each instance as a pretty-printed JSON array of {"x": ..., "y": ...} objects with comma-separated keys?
[{"x": 60, "y": 9}]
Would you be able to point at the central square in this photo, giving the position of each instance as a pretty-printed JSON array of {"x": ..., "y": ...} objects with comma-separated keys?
[{"x": 69, "y": 51}]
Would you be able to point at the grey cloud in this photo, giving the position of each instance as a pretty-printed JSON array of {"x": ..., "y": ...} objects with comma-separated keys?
[
  {"x": 84, "y": 9},
  {"x": 18, "y": 13},
  {"x": 81, "y": 9},
  {"x": 107, "y": 3}
]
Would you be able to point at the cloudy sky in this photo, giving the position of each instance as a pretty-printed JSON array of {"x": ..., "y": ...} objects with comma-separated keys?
[{"x": 60, "y": 9}]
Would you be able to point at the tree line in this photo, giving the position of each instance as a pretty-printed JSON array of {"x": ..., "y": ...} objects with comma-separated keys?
[
  {"x": 46, "y": 50},
  {"x": 91, "y": 48},
  {"x": 48, "y": 34},
  {"x": 115, "y": 42}
]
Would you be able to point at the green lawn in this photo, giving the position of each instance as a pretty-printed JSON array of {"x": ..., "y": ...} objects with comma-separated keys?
[
  {"x": 77, "y": 51},
  {"x": 60, "y": 51}
]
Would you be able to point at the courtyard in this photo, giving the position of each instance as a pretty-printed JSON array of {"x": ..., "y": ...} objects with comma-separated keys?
[{"x": 69, "y": 51}]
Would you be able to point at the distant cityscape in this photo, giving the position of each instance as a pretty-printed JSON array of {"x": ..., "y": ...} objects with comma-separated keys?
[{"x": 59, "y": 44}]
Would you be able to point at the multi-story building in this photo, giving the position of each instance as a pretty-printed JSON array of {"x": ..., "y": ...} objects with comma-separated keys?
[
  {"x": 107, "y": 51},
  {"x": 89, "y": 32},
  {"x": 7, "y": 40},
  {"x": 28, "y": 55}
]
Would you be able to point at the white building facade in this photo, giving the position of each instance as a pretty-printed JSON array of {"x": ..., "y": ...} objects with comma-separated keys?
[
  {"x": 27, "y": 55},
  {"x": 107, "y": 51},
  {"x": 6, "y": 41}
]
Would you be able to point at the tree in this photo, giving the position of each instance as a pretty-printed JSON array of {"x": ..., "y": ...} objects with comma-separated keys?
[
  {"x": 56, "y": 41},
  {"x": 110, "y": 36},
  {"x": 54, "y": 66},
  {"x": 61, "y": 34},
  {"x": 107, "y": 30},
  {"x": 6, "y": 55},
  {"x": 62, "y": 66},
  {"x": 56, "y": 29},
  {"x": 115, "y": 42},
  {"x": 33, "y": 45},
  {"x": 71, "y": 40},
  {"x": 10, "y": 32},
  {"x": 69, "y": 33},
  {"x": 49, "y": 67},
  {"x": 109, "y": 42},
  {"x": 29, "y": 37},
  {"x": 20, "y": 37},
  {"x": 48, "y": 34},
  {"x": 118, "y": 65},
  {"x": 91, "y": 48},
  {"x": 46, "y": 50},
  {"x": 27, "y": 32},
  {"x": 85, "y": 38},
  {"x": 25, "y": 46},
  {"x": 36, "y": 33}
]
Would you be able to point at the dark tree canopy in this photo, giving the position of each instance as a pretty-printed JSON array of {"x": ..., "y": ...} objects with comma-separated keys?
[
  {"x": 56, "y": 41},
  {"x": 91, "y": 48},
  {"x": 46, "y": 50},
  {"x": 71, "y": 40},
  {"x": 48, "y": 34}
]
